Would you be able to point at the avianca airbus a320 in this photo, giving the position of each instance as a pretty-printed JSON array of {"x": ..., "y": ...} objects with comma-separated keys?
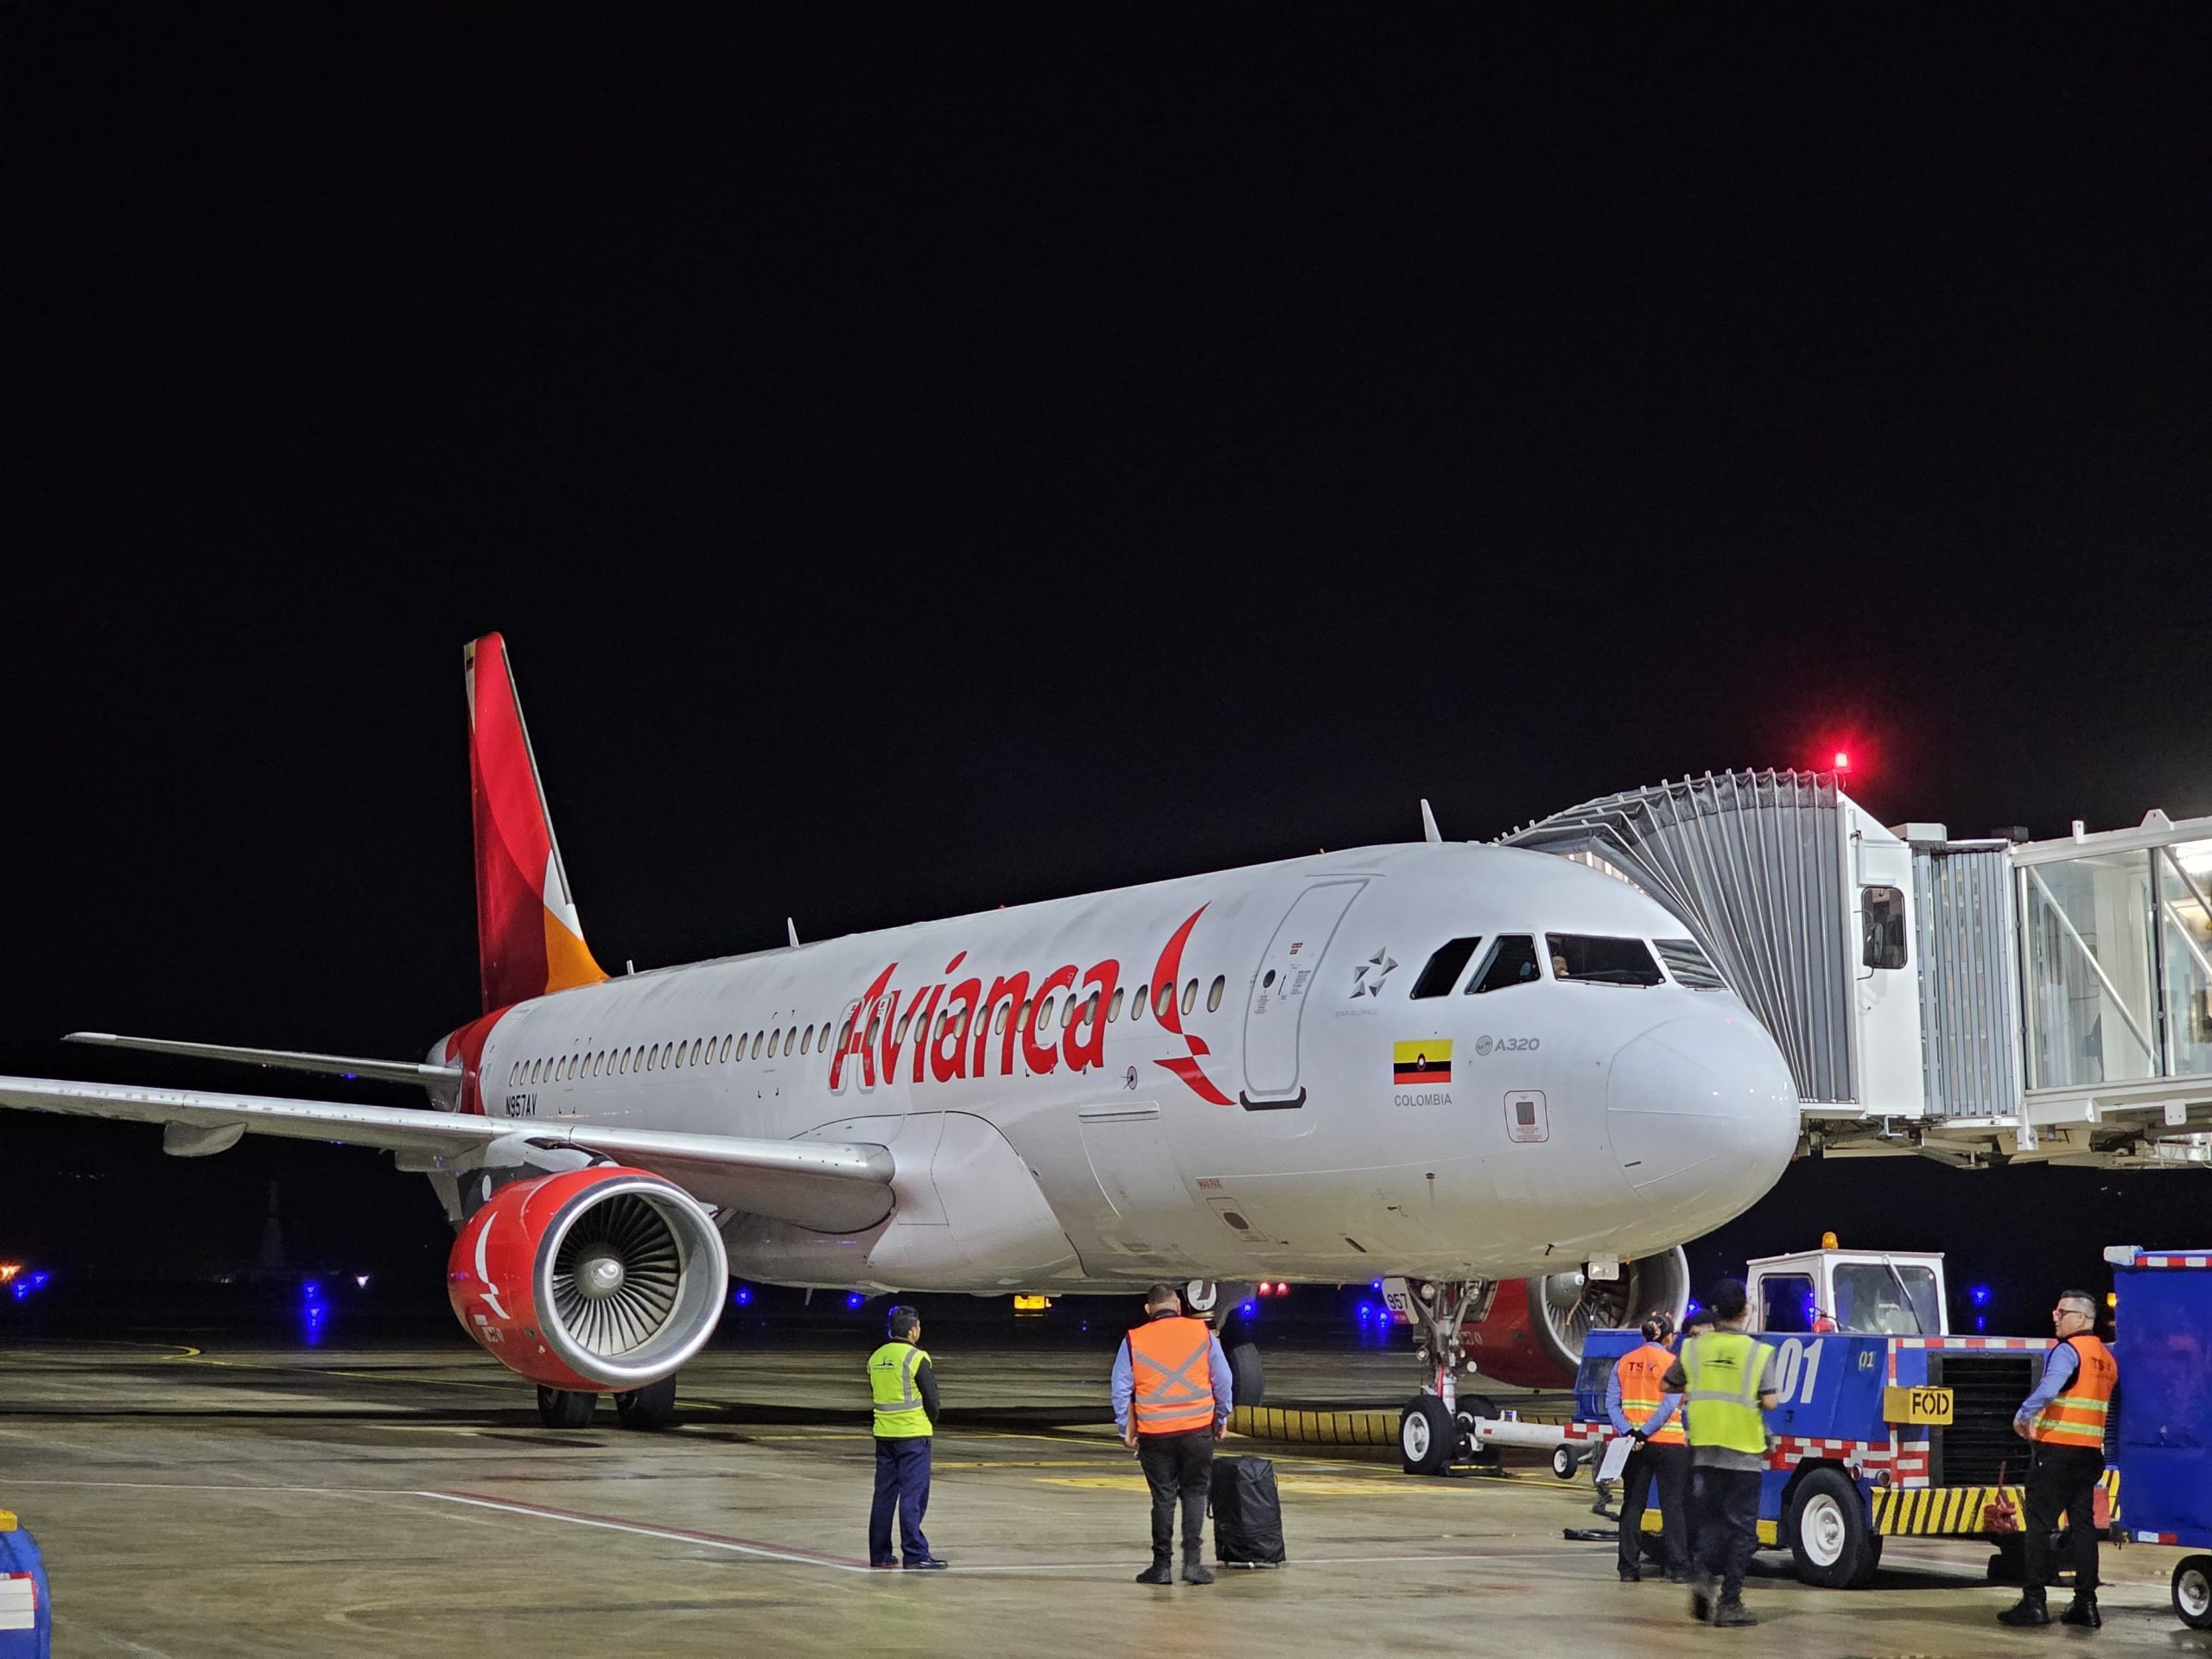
[{"x": 1450, "y": 1065}]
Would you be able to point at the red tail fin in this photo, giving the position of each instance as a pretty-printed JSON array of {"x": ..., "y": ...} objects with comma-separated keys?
[{"x": 529, "y": 940}]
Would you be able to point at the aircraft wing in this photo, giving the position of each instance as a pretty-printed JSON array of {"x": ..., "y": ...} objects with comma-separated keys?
[{"x": 833, "y": 1186}]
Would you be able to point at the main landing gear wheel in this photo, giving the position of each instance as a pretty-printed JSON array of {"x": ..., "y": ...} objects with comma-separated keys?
[
  {"x": 2193, "y": 1591},
  {"x": 1827, "y": 1531},
  {"x": 1247, "y": 1378},
  {"x": 649, "y": 1407},
  {"x": 565, "y": 1407},
  {"x": 1428, "y": 1435}
]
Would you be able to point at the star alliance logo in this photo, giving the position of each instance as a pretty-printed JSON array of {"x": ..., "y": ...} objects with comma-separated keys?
[{"x": 1367, "y": 978}]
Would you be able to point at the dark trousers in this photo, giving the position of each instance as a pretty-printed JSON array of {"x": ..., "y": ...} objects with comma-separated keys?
[
  {"x": 1178, "y": 1465},
  {"x": 902, "y": 1483},
  {"x": 1668, "y": 1468},
  {"x": 1726, "y": 1504},
  {"x": 2062, "y": 1480}
]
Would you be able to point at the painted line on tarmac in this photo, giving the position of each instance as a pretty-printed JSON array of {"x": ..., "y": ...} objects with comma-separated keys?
[
  {"x": 70, "y": 1621},
  {"x": 673, "y": 1535},
  {"x": 216, "y": 1486}
]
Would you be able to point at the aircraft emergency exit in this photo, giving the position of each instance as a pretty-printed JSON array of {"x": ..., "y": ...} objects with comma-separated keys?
[{"x": 1451, "y": 1064}]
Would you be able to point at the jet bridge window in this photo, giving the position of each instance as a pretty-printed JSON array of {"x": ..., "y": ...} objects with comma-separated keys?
[
  {"x": 1594, "y": 961},
  {"x": 1881, "y": 922},
  {"x": 1512, "y": 961},
  {"x": 1445, "y": 967}
]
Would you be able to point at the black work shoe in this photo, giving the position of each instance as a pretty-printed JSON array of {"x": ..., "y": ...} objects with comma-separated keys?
[
  {"x": 2029, "y": 1610},
  {"x": 1158, "y": 1573},
  {"x": 1701, "y": 1597},
  {"x": 925, "y": 1563},
  {"x": 1680, "y": 1576},
  {"x": 2083, "y": 1613},
  {"x": 1732, "y": 1615},
  {"x": 1632, "y": 1577},
  {"x": 1196, "y": 1571}
]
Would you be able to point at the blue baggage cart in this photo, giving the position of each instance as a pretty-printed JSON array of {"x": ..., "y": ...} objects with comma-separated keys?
[
  {"x": 26, "y": 1620},
  {"x": 2163, "y": 1314}
]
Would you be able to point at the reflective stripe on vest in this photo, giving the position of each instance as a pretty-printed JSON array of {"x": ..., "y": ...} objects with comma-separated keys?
[
  {"x": 1723, "y": 1370},
  {"x": 1641, "y": 1392},
  {"x": 1168, "y": 1362},
  {"x": 899, "y": 1414},
  {"x": 2078, "y": 1416}
]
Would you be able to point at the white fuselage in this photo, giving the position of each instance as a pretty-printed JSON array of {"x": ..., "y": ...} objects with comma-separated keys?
[{"x": 1253, "y": 1127}]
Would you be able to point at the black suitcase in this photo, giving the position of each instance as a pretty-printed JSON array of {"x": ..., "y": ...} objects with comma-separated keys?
[{"x": 1247, "y": 1515}]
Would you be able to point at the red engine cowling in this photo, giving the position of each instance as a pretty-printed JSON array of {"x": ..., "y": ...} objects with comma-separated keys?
[
  {"x": 603, "y": 1278},
  {"x": 1533, "y": 1335}
]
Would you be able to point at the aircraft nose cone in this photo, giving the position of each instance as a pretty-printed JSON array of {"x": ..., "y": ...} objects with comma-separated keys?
[{"x": 1704, "y": 1116}]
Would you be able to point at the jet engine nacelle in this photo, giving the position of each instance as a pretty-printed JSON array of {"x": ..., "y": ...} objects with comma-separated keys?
[
  {"x": 594, "y": 1279},
  {"x": 1533, "y": 1335}
]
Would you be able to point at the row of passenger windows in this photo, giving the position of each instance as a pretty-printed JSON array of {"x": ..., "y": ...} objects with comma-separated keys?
[
  {"x": 1065, "y": 1010},
  {"x": 1513, "y": 960},
  {"x": 804, "y": 1040},
  {"x": 664, "y": 1057}
]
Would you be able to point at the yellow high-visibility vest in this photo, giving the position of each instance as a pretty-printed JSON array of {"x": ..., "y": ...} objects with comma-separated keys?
[
  {"x": 898, "y": 1412},
  {"x": 1722, "y": 1372}
]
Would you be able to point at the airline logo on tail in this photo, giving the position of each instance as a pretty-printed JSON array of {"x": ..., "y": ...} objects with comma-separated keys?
[{"x": 530, "y": 941}]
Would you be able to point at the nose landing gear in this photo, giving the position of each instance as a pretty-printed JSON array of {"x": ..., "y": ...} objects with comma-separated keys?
[{"x": 1435, "y": 1430}]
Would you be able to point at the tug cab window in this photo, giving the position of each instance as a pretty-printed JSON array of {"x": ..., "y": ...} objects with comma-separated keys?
[
  {"x": 1786, "y": 1303},
  {"x": 1512, "y": 961},
  {"x": 1881, "y": 920},
  {"x": 1595, "y": 961},
  {"x": 1445, "y": 967}
]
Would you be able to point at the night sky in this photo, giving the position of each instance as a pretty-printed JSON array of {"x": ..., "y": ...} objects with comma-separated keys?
[{"x": 934, "y": 459}]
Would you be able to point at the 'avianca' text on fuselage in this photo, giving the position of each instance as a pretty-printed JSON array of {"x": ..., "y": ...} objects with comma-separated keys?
[{"x": 957, "y": 1029}]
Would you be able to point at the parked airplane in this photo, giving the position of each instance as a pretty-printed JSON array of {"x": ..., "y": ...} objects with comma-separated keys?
[{"x": 1450, "y": 1064}]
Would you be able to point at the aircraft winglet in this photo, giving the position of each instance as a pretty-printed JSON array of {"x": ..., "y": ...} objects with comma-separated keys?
[{"x": 1428, "y": 829}]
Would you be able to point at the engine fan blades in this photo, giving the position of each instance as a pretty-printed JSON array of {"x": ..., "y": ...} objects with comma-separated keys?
[{"x": 629, "y": 1231}]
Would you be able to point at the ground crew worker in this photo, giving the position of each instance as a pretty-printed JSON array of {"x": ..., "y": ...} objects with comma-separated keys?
[
  {"x": 1721, "y": 1376},
  {"x": 1171, "y": 1401},
  {"x": 2064, "y": 1418},
  {"x": 905, "y": 1391},
  {"x": 1652, "y": 1417}
]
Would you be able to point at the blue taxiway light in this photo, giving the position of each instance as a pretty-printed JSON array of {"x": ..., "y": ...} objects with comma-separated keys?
[
  {"x": 742, "y": 1295},
  {"x": 855, "y": 1300},
  {"x": 1980, "y": 1295}
]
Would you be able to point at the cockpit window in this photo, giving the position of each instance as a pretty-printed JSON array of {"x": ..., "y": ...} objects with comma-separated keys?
[
  {"x": 1512, "y": 961},
  {"x": 1602, "y": 962},
  {"x": 1445, "y": 967},
  {"x": 1690, "y": 965}
]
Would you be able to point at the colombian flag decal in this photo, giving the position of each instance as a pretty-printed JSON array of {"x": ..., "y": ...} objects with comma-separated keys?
[{"x": 1424, "y": 1062}]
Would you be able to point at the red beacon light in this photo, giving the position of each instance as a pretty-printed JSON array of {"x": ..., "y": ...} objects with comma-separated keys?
[{"x": 1843, "y": 759}]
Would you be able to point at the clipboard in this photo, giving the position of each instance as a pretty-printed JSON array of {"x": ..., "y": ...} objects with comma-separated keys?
[{"x": 1616, "y": 1457}]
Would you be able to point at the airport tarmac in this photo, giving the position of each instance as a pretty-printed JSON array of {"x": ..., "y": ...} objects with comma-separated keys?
[{"x": 210, "y": 1498}]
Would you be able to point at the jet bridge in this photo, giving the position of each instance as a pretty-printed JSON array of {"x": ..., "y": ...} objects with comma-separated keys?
[{"x": 1976, "y": 1000}]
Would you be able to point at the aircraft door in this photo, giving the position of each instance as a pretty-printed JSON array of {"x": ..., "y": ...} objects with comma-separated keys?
[{"x": 1277, "y": 1006}]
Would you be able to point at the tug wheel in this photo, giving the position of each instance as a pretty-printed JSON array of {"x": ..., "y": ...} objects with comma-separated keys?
[{"x": 1827, "y": 1533}]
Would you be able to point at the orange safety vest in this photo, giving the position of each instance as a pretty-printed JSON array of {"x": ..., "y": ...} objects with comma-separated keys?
[
  {"x": 2078, "y": 1416},
  {"x": 1641, "y": 1392},
  {"x": 1168, "y": 1361}
]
